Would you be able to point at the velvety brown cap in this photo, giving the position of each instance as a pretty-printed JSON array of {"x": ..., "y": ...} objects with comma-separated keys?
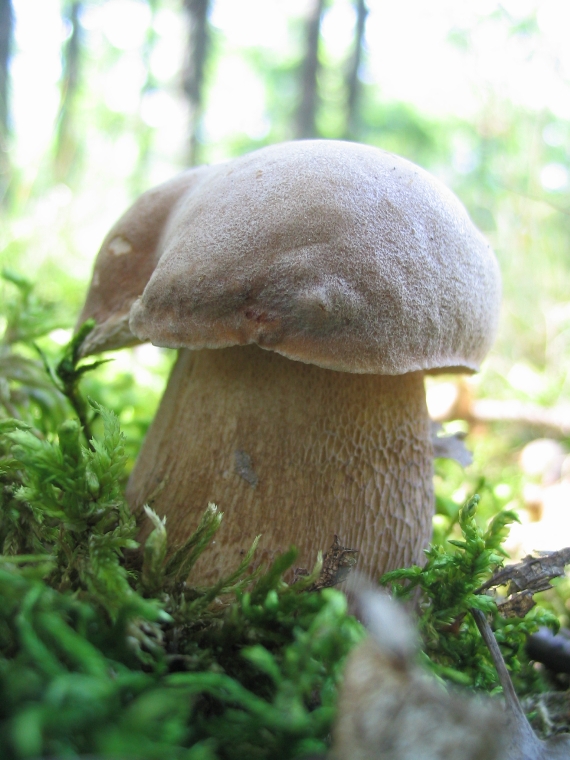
[
  {"x": 328, "y": 252},
  {"x": 126, "y": 261}
]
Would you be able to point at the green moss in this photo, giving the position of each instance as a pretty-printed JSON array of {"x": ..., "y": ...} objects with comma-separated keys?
[
  {"x": 449, "y": 586},
  {"x": 107, "y": 647}
]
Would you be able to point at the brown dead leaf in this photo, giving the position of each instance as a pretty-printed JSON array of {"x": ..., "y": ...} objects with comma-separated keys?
[
  {"x": 526, "y": 578},
  {"x": 531, "y": 575},
  {"x": 337, "y": 563},
  {"x": 390, "y": 708},
  {"x": 516, "y": 605}
]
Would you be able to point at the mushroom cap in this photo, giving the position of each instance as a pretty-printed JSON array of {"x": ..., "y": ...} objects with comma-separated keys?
[
  {"x": 330, "y": 253},
  {"x": 126, "y": 260}
]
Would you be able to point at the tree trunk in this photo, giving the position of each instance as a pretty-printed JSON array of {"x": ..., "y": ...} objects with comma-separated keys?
[
  {"x": 67, "y": 144},
  {"x": 144, "y": 132},
  {"x": 352, "y": 80},
  {"x": 306, "y": 114},
  {"x": 193, "y": 76}
]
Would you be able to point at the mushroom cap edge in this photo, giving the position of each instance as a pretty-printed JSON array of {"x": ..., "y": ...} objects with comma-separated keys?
[{"x": 327, "y": 252}]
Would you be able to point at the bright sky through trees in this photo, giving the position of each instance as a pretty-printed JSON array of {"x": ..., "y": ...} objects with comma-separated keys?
[{"x": 443, "y": 56}]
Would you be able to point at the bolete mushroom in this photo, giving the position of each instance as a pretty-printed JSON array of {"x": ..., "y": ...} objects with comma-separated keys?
[{"x": 309, "y": 286}]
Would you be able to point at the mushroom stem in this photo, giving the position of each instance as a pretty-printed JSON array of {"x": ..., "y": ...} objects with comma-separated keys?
[{"x": 293, "y": 451}]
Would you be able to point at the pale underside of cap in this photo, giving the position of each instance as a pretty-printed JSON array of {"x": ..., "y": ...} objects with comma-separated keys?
[{"x": 328, "y": 252}]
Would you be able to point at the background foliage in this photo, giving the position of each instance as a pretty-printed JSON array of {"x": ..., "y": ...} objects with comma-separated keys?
[{"x": 100, "y": 99}]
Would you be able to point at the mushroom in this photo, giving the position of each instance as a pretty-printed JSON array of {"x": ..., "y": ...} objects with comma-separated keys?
[
  {"x": 126, "y": 261},
  {"x": 309, "y": 286}
]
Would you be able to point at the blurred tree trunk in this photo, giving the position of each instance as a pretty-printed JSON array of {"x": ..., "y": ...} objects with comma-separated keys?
[
  {"x": 193, "y": 77},
  {"x": 144, "y": 132},
  {"x": 67, "y": 143},
  {"x": 307, "y": 111},
  {"x": 6, "y": 41},
  {"x": 352, "y": 80}
]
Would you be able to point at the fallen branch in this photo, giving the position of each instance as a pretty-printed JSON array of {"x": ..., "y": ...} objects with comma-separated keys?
[
  {"x": 464, "y": 407},
  {"x": 556, "y": 419}
]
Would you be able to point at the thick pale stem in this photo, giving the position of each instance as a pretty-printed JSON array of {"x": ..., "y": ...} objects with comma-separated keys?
[{"x": 294, "y": 452}]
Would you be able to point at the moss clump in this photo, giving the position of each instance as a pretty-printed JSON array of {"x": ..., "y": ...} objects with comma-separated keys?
[
  {"x": 449, "y": 586},
  {"x": 126, "y": 658}
]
